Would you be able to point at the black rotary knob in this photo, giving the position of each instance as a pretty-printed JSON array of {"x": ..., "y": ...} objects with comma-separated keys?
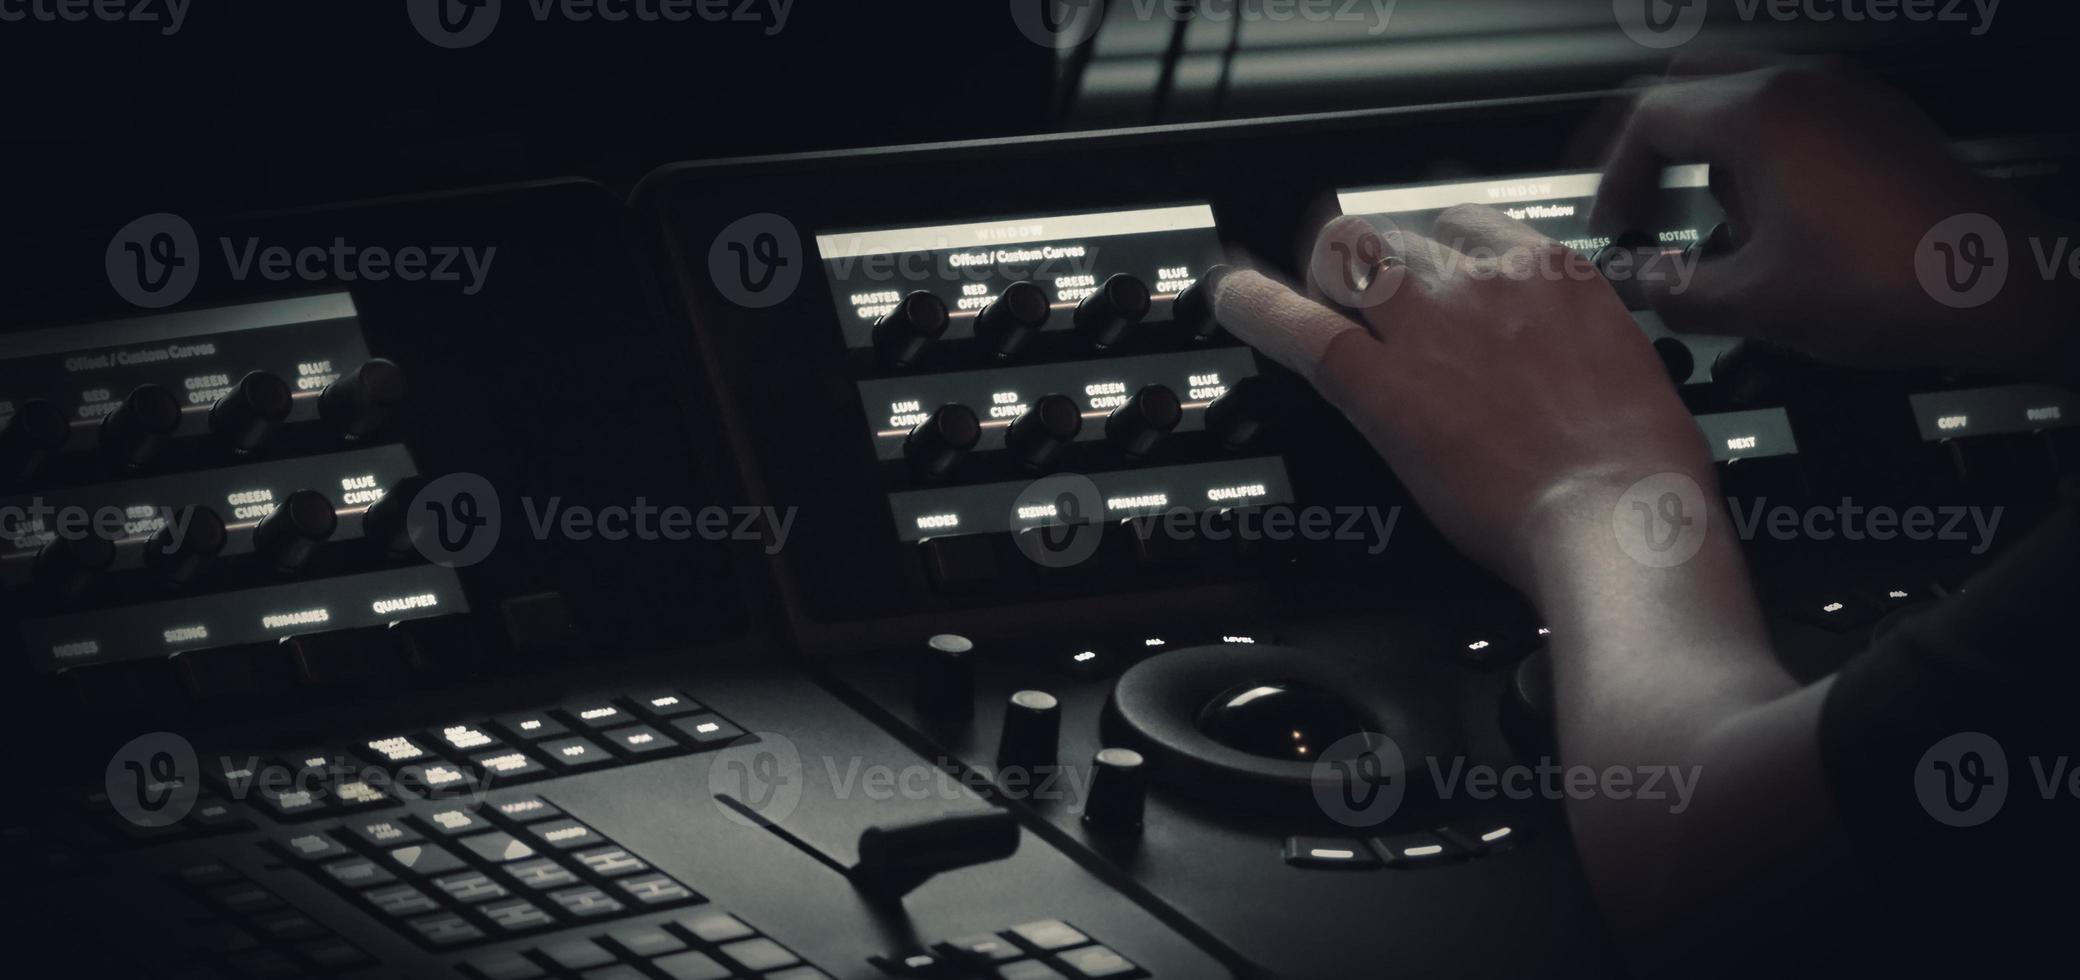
[
  {"x": 246, "y": 416},
  {"x": 133, "y": 433},
  {"x": 67, "y": 567},
  {"x": 1676, "y": 359},
  {"x": 1102, "y": 319},
  {"x": 1118, "y": 793},
  {"x": 1715, "y": 244},
  {"x": 386, "y": 523},
  {"x": 185, "y": 547},
  {"x": 1236, "y": 418},
  {"x": 1032, "y": 726},
  {"x": 902, "y": 336},
  {"x": 1141, "y": 425},
  {"x": 1013, "y": 319},
  {"x": 946, "y": 678},
  {"x": 364, "y": 400},
  {"x": 1040, "y": 437},
  {"x": 1620, "y": 262},
  {"x": 1192, "y": 310},
  {"x": 938, "y": 443},
  {"x": 292, "y": 535},
  {"x": 1747, "y": 374},
  {"x": 36, "y": 432}
]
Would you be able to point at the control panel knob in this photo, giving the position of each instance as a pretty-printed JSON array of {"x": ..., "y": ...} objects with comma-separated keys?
[
  {"x": 386, "y": 523},
  {"x": 246, "y": 416},
  {"x": 1627, "y": 249},
  {"x": 1103, "y": 317},
  {"x": 1237, "y": 417},
  {"x": 67, "y": 567},
  {"x": 1141, "y": 425},
  {"x": 901, "y": 337},
  {"x": 133, "y": 433},
  {"x": 936, "y": 446},
  {"x": 363, "y": 400},
  {"x": 1118, "y": 793},
  {"x": 1743, "y": 372},
  {"x": 1676, "y": 359},
  {"x": 291, "y": 536},
  {"x": 1192, "y": 310},
  {"x": 1038, "y": 438},
  {"x": 1012, "y": 319},
  {"x": 1032, "y": 726},
  {"x": 946, "y": 678},
  {"x": 35, "y": 432},
  {"x": 184, "y": 548}
]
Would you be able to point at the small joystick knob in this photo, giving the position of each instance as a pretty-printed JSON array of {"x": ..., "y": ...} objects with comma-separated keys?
[
  {"x": 246, "y": 416},
  {"x": 1038, "y": 438},
  {"x": 183, "y": 550},
  {"x": 1236, "y": 418},
  {"x": 292, "y": 535},
  {"x": 938, "y": 443},
  {"x": 68, "y": 566},
  {"x": 1032, "y": 726},
  {"x": 1103, "y": 317},
  {"x": 1144, "y": 421},
  {"x": 1013, "y": 319},
  {"x": 364, "y": 400},
  {"x": 946, "y": 678},
  {"x": 902, "y": 336},
  {"x": 386, "y": 524},
  {"x": 36, "y": 432},
  {"x": 1118, "y": 793},
  {"x": 133, "y": 433},
  {"x": 1192, "y": 310}
]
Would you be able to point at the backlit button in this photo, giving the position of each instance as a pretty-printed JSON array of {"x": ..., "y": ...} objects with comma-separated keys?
[
  {"x": 498, "y": 846},
  {"x": 1328, "y": 852},
  {"x": 611, "y": 862},
  {"x": 653, "y": 890},
  {"x": 576, "y": 954},
  {"x": 454, "y": 821},
  {"x": 425, "y": 859},
  {"x": 1484, "y": 839},
  {"x": 1839, "y": 611},
  {"x": 517, "y": 915},
  {"x": 527, "y": 726},
  {"x": 359, "y": 873},
  {"x": 1029, "y": 970},
  {"x": 526, "y": 809},
  {"x": 1098, "y": 963},
  {"x": 586, "y": 902},
  {"x": 541, "y": 874},
  {"x": 508, "y": 766},
  {"x": 665, "y": 704},
  {"x": 565, "y": 834},
  {"x": 290, "y": 804},
  {"x": 1417, "y": 850},
  {"x": 690, "y": 966},
  {"x": 359, "y": 794},
  {"x": 401, "y": 901},
  {"x": 446, "y": 929},
  {"x": 456, "y": 739},
  {"x": 575, "y": 754},
  {"x": 979, "y": 948},
  {"x": 707, "y": 731},
  {"x": 597, "y": 716},
  {"x": 714, "y": 928},
  {"x": 470, "y": 887},
  {"x": 434, "y": 781},
  {"x": 314, "y": 847},
  {"x": 760, "y": 955},
  {"x": 384, "y": 833},
  {"x": 644, "y": 942},
  {"x": 502, "y": 966},
  {"x": 1048, "y": 934},
  {"x": 640, "y": 742}
]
